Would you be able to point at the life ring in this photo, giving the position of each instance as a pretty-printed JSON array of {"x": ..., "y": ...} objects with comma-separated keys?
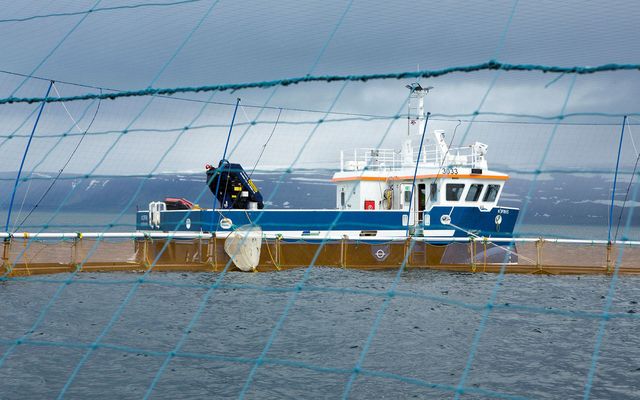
[{"x": 226, "y": 223}]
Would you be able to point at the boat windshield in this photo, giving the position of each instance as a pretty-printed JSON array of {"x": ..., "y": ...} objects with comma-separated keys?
[
  {"x": 492, "y": 193},
  {"x": 454, "y": 191}
]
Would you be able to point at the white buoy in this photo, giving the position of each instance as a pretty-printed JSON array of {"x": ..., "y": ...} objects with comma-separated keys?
[{"x": 243, "y": 246}]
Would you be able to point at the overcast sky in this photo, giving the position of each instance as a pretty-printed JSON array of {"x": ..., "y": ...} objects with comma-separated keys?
[{"x": 243, "y": 41}]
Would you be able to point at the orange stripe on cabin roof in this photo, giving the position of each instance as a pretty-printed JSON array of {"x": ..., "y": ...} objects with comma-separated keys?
[{"x": 400, "y": 178}]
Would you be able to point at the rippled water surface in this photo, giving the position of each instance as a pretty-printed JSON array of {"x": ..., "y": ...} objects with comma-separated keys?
[{"x": 420, "y": 340}]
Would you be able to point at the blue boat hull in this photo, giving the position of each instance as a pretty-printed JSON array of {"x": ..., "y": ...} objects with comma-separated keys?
[{"x": 464, "y": 221}]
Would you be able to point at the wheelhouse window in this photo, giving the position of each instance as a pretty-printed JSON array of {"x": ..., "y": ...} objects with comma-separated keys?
[
  {"x": 454, "y": 191},
  {"x": 492, "y": 193},
  {"x": 474, "y": 192},
  {"x": 342, "y": 199}
]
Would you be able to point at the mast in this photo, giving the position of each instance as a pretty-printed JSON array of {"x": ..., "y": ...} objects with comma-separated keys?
[{"x": 415, "y": 119}]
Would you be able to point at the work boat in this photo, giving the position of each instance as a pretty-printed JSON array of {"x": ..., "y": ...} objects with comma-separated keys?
[{"x": 435, "y": 193}]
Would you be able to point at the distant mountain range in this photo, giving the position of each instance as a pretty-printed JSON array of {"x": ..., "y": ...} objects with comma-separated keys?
[{"x": 558, "y": 199}]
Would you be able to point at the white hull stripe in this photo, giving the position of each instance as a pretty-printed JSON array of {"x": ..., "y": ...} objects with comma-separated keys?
[{"x": 351, "y": 234}]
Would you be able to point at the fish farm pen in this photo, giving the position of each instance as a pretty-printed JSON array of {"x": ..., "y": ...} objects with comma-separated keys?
[{"x": 49, "y": 253}]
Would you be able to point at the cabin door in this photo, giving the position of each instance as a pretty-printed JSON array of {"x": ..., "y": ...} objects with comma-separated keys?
[{"x": 422, "y": 202}]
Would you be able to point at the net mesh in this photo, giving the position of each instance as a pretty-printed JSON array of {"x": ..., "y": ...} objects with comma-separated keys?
[{"x": 142, "y": 98}]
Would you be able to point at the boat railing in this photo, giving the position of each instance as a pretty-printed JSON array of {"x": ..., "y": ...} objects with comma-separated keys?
[
  {"x": 431, "y": 156},
  {"x": 465, "y": 156},
  {"x": 371, "y": 159}
]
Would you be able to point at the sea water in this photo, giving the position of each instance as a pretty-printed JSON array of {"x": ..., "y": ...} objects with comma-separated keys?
[{"x": 320, "y": 339}]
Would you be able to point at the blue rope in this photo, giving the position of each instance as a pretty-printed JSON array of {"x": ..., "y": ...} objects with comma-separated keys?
[
  {"x": 133, "y": 290},
  {"x": 233, "y": 120},
  {"x": 61, "y": 137},
  {"x": 93, "y": 249},
  {"x": 125, "y": 131},
  {"x": 86, "y": 176},
  {"x": 139, "y": 114},
  {"x": 224, "y": 156},
  {"x": 24, "y": 157},
  {"x": 615, "y": 178},
  {"x": 64, "y": 166},
  {"x": 486, "y": 66},
  {"x": 608, "y": 303}
]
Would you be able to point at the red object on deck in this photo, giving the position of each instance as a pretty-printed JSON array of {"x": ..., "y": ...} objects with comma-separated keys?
[
  {"x": 369, "y": 205},
  {"x": 178, "y": 203}
]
